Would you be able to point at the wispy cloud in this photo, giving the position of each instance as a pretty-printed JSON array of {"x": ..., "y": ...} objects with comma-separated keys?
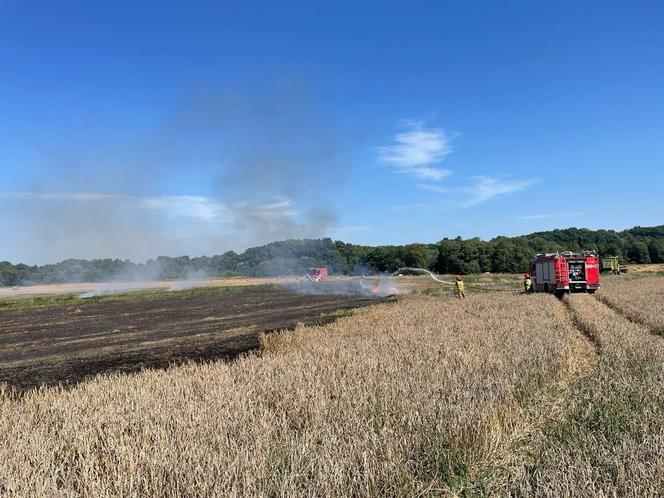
[
  {"x": 485, "y": 188},
  {"x": 543, "y": 216},
  {"x": 481, "y": 189},
  {"x": 184, "y": 206},
  {"x": 416, "y": 152},
  {"x": 279, "y": 208}
]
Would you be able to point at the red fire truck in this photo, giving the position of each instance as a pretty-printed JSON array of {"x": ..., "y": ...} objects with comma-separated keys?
[
  {"x": 565, "y": 272},
  {"x": 317, "y": 274}
]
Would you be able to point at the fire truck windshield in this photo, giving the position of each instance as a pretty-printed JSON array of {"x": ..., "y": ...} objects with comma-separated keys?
[{"x": 577, "y": 271}]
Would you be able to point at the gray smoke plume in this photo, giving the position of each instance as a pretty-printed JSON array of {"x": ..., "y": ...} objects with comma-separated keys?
[
  {"x": 280, "y": 157},
  {"x": 192, "y": 280},
  {"x": 373, "y": 286},
  {"x": 269, "y": 157},
  {"x": 128, "y": 280}
]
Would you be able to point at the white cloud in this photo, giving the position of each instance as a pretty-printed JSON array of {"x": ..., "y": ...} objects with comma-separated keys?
[
  {"x": 429, "y": 173},
  {"x": 482, "y": 189},
  {"x": 281, "y": 204},
  {"x": 417, "y": 151},
  {"x": 186, "y": 206},
  {"x": 486, "y": 188},
  {"x": 279, "y": 208}
]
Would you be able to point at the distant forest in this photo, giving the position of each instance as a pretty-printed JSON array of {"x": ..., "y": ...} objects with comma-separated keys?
[{"x": 288, "y": 257}]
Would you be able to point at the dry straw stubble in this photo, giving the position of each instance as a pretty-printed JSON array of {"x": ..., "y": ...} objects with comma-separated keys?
[{"x": 405, "y": 397}]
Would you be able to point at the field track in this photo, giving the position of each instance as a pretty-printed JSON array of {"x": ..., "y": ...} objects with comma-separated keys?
[{"x": 69, "y": 343}]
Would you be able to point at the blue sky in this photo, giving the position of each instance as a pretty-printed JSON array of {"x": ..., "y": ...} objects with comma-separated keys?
[{"x": 135, "y": 129}]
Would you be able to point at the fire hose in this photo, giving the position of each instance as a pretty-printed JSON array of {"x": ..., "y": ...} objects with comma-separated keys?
[{"x": 446, "y": 282}]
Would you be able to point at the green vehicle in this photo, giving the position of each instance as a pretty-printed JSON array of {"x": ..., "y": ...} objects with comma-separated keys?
[{"x": 612, "y": 264}]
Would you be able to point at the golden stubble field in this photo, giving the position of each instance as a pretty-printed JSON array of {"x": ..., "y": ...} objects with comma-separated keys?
[
  {"x": 641, "y": 299},
  {"x": 497, "y": 394}
]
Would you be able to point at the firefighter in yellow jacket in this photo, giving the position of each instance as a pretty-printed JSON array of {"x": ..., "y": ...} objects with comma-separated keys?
[
  {"x": 459, "y": 287},
  {"x": 527, "y": 283}
]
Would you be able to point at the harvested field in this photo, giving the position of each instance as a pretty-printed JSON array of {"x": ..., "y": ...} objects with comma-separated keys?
[
  {"x": 499, "y": 394},
  {"x": 404, "y": 282},
  {"x": 638, "y": 299},
  {"x": 110, "y": 287},
  {"x": 406, "y": 397},
  {"x": 608, "y": 437},
  {"x": 645, "y": 268},
  {"x": 60, "y": 342}
]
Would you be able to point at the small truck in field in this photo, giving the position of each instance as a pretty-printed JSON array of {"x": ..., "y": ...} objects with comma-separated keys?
[{"x": 612, "y": 264}]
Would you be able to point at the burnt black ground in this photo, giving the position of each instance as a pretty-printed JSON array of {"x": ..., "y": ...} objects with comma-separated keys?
[{"x": 66, "y": 344}]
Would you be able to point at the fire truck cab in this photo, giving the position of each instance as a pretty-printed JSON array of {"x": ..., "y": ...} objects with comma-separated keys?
[{"x": 565, "y": 272}]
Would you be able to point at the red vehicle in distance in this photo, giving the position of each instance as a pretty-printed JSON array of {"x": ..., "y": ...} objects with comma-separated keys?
[
  {"x": 317, "y": 274},
  {"x": 564, "y": 272}
]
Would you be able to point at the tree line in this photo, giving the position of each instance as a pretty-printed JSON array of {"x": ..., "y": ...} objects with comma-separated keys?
[{"x": 288, "y": 257}]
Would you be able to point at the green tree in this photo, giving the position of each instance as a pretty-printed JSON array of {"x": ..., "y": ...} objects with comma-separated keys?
[{"x": 637, "y": 252}]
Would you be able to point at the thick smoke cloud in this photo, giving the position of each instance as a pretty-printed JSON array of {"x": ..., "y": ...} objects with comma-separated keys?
[
  {"x": 281, "y": 160},
  {"x": 263, "y": 163}
]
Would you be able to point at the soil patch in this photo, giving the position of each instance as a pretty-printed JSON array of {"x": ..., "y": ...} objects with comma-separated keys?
[{"x": 66, "y": 344}]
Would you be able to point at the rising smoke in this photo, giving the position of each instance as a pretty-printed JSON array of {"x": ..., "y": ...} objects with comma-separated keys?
[
  {"x": 374, "y": 286},
  {"x": 269, "y": 159},
  {"x": 192, "y": 280},
  {"x": 131, "y": 278},
  {"x": 281, "y": 161}
]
